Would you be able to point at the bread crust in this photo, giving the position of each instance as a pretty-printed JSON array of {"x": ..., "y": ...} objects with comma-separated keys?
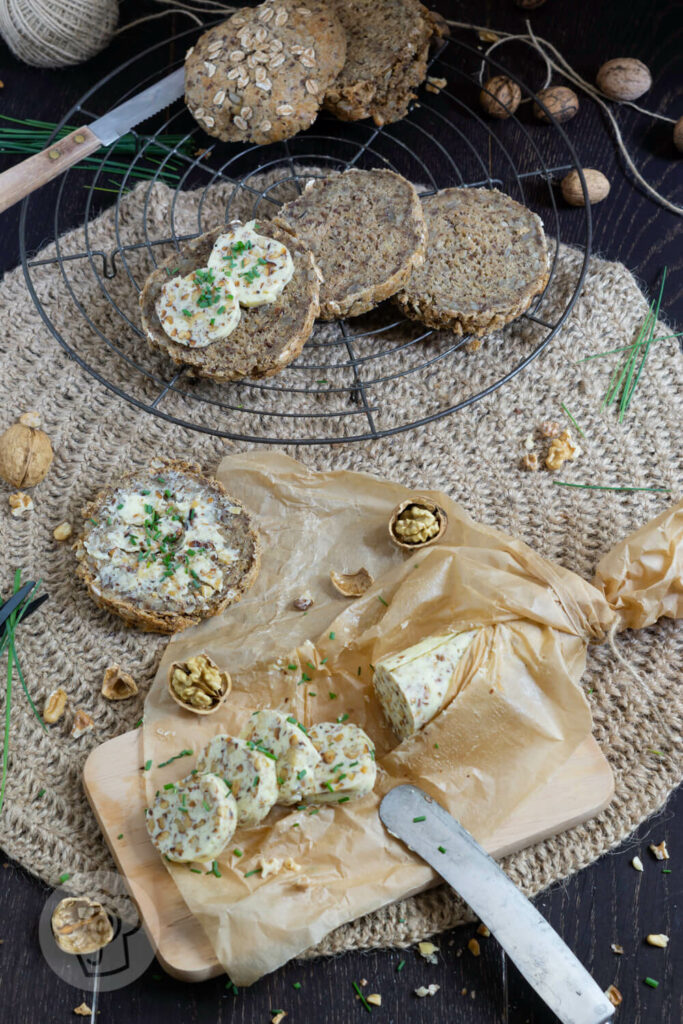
[
  {"x": 387, "y": 52},
  {"x": 267, "y": 337},
  {"x": 149, "y": 620},
  {"x": 367, "y": 233},
  {"x": 487, "y": 260}
]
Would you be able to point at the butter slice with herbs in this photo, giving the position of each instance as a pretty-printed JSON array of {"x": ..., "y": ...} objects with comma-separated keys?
[
  {"x": 414, "y": 685},
  {"x": 249, "y": 773},
  {"x": 285, "y": 737},
  {"x": 198, "y": 309},
  {"x": 192, "y": 819},
  {"x": 258, "y": 267},
  {"x": 347, "y": 768}
]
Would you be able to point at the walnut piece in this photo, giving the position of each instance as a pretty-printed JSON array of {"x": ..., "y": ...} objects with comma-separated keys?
[
  {"x": 80, "y": 925},
  {"x": 550, "y": 428},
  {"x": 20, "y": 503},
  {"x": 25, "y": 455},
  {"x": 562, "y": 449},
  {"x": 82, "y": 723},
  {"x": 660, "y": 851},
  {"x": 63, "y": 531},
  {"x": 198, "y": 684},
  {"x": 662, "y": 941},
  {"x": 303, "y": 603},
  {"x": 269, "y": 866},
  {"x": 530, "y": 461},
  {"x": 55, "y": 706},
  {"x": 278, "y": 1017},
  {"x": 428, "y": 950},
  {"x": 83, "y": 1010},
  {"x": 430, "y": 990},
  {"x": 118, "y": 685},
  {"x": 417, "y": 522},
  {"x": 614, "y": 995},
  {"x": 474, "y": 947},
  {"x": 351, "y": 584},
  {"x": 483, "y": 930},
  {"x": 374, "y": 999}
]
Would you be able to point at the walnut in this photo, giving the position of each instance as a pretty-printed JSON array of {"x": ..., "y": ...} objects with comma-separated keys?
[
  {"x": 624, "y": 78},
  {"x": 82, "y": 723},
  {"x": 530, "y": 461},
  {"x": 416, "y": 523},
  {"x": 62, "y": 532},
  {"x": 25, "y": 455},
  {"x": 198, "y": 685},
  {"x": 20, "y": 503},
  {"x": 614, "y": 995},
  {"x": 562, "y": 449},
  {"x": 81, "y": 925},
  {"x": 303, "y": 603},
  {"x": 562, "y": 103},
  {"x": 500, "y": 97},
  {"x": 660, "y": 851},
  {"x": 55, "y": 706},
  {"x": 351, "y": 584},
  {"x": 474, "y": 947},
  {"x": 83, "y": 1010},
  {"x": 269, "y": 866},
  {"x": 549, "y": 428},
  {"x": 597, "y": 186},
  {"x": 118, "y": 685}
]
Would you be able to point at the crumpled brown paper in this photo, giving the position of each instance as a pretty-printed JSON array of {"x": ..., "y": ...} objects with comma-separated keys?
[{"x": 518, "y": 711}]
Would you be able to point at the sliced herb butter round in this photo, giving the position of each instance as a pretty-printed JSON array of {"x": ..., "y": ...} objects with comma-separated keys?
[
  {"x": 347, "y": 769},
  {"x": 198, "y": 309},
  {"x": 248, "y": 771},
  {"x": 192, "y": 819},
  {"x": 258, "y": 267},
  {"x": 166, "y": 548},
  {"x": 286, "y": 738}
]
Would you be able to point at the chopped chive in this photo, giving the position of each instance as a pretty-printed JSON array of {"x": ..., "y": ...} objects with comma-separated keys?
[
  {"x": 196, "y": 871},
  {"x": 436, "y": 746},
  {"x": 362, "y": 998},
  {"x": 301, "y": 774},
  {"x": 41, "y": 792},
  {"x": 297, "y": 985},
  {"x": 328, "y": 785},
  {"x": 343, "y": 799},
  {"x": 313, "y": 810},
  {"x": 148, "y": 765},
  {"x": 291, "y": 719},
  {"x": 311, "y": 693},
  {"x": 420, "y": 817},
  {"x": 651, "y": 982},
  {"x": 120, "y": 836},
  {"x": 332, "y": 696},
  {"x": 441, "y": 849},
  {"x": 169, "y": 785},
  {"x": 205, "y": 804},
  {"x": 254, "y": 872},
  {"x": 280, "y": 781},
  {"x": 342, "y": 718},
  {"x": 401, "y": 964},
  {"x": 332, "y": 636},
  {"x": 232, "y": 987},
  {"x": 64, "y": 878},
  {"x": 183, "y": 753},
  {"x": 324, "y": 661},
  {"x": 359, "y": 670},
  {"x": 215, "y": 870},
  {"x": 237, "y": 852},
  {"x": 93, "y": 521},
  {"x": 666, "y": 871},
  {"x": 380, "y": 598},
  {"x": 292, "y": 668}
]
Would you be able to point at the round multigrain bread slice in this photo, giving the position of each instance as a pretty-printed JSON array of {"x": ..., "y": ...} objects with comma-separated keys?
[
  {"x": 367, "y": 233},
  {"x": 166, "y": 547},
  {"x": 386, "y": 57},
  {"x": 487, "y": 259},
  {"x": 262, "y": 75},
  {"x": 266, "y": 339}
]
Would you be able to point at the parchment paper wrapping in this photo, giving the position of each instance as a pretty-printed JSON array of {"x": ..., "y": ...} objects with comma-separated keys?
[{"x": 517, "y": 714}]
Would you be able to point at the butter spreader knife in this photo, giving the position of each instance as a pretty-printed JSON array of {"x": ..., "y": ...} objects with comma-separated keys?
[
  {"x": 19, "y": 181},
  {"x": 534, "y": 947}
]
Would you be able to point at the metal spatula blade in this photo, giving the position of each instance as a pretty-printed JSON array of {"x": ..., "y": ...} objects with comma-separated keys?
[{"x": 535, "y": 948}]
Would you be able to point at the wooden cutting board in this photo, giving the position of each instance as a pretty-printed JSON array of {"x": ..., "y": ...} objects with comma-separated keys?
[{"x": 114, "y": 785}]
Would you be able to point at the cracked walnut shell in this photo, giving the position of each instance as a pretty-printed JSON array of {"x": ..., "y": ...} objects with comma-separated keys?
[
  {"x": 562, "y": 449},
  {"x": 351, "y": 584},
  {"x": 416, "y": 523},
  {"x": 118, "y": 685},
  {"x": 198, "y": 685},
  {"x": 82, "y": 723},
  {"x": 25, "y": 455},
  {"x": 81, "y": 925}
]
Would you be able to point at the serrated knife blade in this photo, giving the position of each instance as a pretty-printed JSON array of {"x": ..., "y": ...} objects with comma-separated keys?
[
  {"x": 534, "y": 947},
  {"x": 28, "y": 175}
]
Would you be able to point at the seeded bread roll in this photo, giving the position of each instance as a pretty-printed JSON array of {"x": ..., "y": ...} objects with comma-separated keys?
[
  {"x": 367, "y": 233},
  {"x": 166, "y": 547},
  {"x": 267, "y": 337},
  {"x": 386, "y": 57},
  {"x": 261, "y": 75},
  {"x": 487, "y": 259}
]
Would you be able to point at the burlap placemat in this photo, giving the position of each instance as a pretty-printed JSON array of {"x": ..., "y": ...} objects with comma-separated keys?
[{"x": 474, "y": 455}]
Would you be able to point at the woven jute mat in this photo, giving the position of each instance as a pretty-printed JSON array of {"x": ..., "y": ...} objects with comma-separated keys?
[{"x": 473, "y": 455}]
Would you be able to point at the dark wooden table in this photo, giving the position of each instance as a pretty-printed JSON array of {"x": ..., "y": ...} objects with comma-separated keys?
[{"x": 604, "y": 904}]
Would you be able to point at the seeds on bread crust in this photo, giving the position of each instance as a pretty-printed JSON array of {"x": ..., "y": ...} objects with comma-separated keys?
[
  {"x": 487, "y": 259},
  {"x": 276, "y": 60},
  {"x": 386, "y": 58},
  {"x": 366, "y": 231},
  {"x": 267, "y": 337},
  {"x": 166, "y": 548}
]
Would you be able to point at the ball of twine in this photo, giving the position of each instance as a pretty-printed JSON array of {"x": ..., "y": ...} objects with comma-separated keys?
[{"x": 56, "y": 33}]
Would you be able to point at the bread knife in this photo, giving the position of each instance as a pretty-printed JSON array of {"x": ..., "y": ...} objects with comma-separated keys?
[
  {"x": 534, "y": 947},
  {"x": 28, "y": 175}
]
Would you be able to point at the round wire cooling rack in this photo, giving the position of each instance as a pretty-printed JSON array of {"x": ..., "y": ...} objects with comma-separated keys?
[{"x": 356, "y": 379}]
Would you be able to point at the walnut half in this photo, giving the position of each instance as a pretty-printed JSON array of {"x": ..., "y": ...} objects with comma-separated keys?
[
  {"x": 81, "y": 925},
  {"x": 198, "y": 685}
]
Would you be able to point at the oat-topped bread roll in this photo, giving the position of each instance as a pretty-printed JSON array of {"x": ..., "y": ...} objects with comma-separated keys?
[
  {"x": 266, "y": 337},
  {"x": 487, "y": 259},
  {"x": 366, "y": 231},
  {"x": 261, "y": 75},
  {"x": 167, "y": 547},
  {"x": 386, "y": 57}
]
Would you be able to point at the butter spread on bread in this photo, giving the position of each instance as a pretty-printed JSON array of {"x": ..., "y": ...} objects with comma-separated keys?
[
  {"x": 198, "y": 309},
  {"x": 258, "y": 267}
]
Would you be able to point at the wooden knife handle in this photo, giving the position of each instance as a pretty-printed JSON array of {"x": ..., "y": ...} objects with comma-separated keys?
[{"x": 22, "y": 179}]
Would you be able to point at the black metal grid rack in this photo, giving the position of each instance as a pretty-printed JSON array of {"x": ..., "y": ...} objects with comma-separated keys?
[{"x": 445, "y": 140}]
